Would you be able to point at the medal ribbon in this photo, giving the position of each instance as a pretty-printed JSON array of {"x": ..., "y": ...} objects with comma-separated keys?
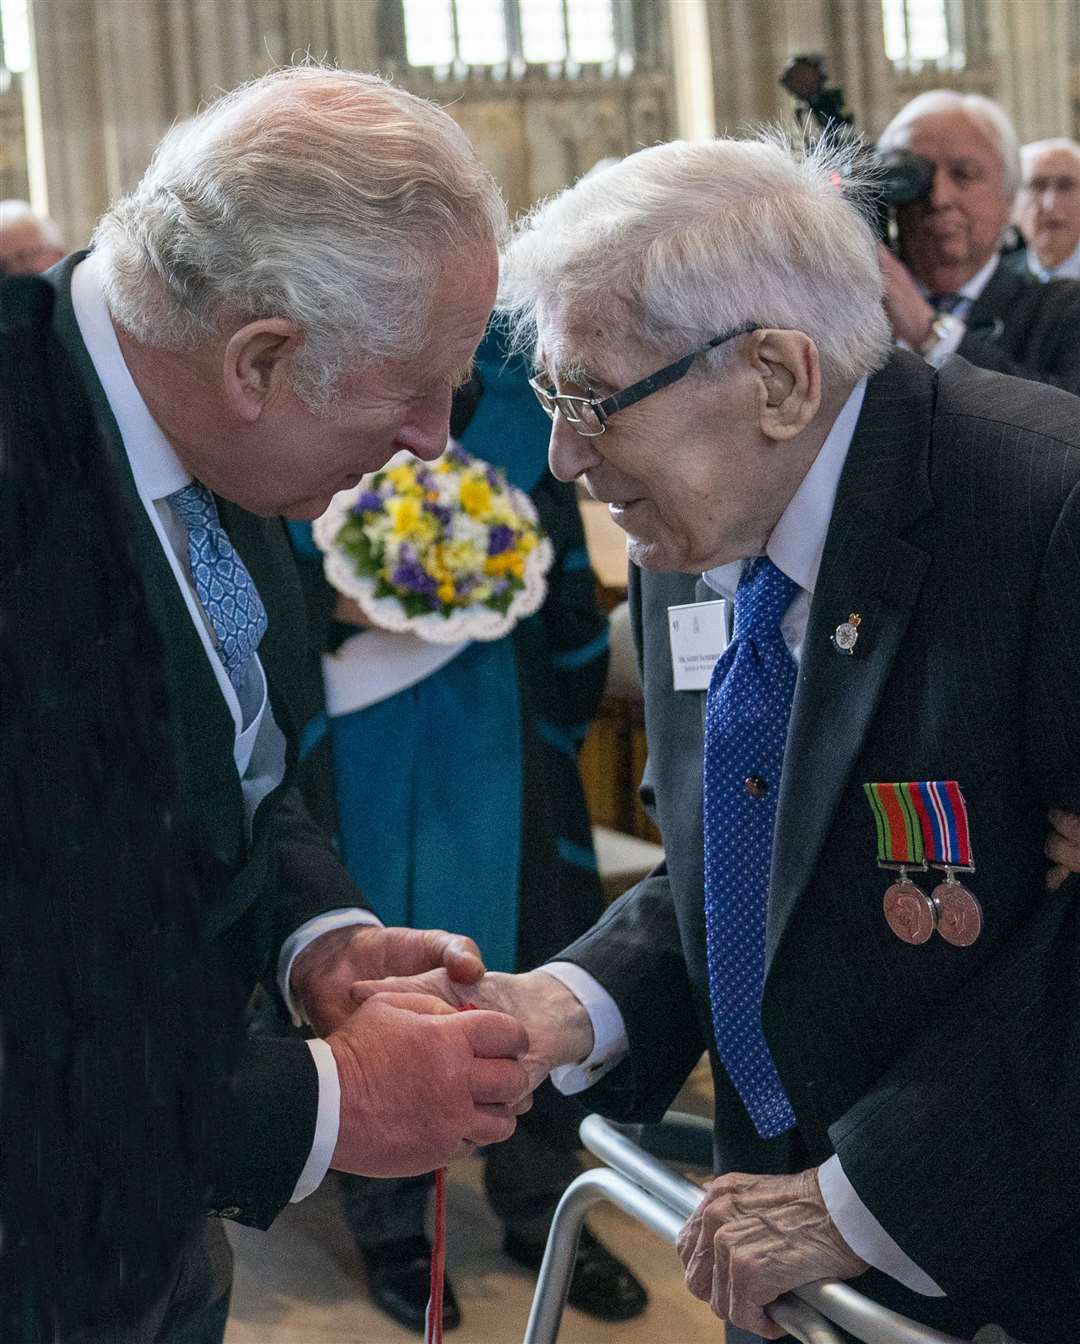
[
  {"x": 899, "y": 828},
  {"x": 944, "y": 822}
]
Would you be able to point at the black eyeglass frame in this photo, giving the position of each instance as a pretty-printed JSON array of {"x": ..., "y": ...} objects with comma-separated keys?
[{"x": 604, "y": 408}]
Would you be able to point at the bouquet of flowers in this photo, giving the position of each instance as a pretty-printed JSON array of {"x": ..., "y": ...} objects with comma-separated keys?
[{"x": 448, "y": 549}]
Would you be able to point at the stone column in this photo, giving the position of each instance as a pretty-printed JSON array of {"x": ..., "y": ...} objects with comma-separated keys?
[
  {"x": 695, "y": 112},
  {"x": 1030, "y": 42}
]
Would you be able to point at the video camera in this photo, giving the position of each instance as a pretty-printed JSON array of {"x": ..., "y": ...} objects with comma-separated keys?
[{"x": 900, "y": 177}]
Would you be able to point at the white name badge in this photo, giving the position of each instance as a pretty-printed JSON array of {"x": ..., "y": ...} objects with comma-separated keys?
[{"x": 699, "y": 635}]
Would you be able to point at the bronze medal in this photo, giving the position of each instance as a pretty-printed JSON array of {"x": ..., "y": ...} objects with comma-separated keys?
[
  {"x": 959, "y": 914},
  {"x": 909, "y": 912}
]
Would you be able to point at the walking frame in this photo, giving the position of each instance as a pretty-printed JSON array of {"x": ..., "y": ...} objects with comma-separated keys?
[{"x": 636, "y": 1180}]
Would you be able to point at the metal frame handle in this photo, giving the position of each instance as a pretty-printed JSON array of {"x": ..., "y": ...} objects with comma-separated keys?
[{"x": 640, "y": 1184}]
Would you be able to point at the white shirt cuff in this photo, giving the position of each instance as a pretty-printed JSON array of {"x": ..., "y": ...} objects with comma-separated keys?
[
  {"x": 948, "y": 344},
  {"x": 307, "y": 933},
  {"x": 865, "y": 1235},
  {"x": 609, "y": 1030},
  {"x": 327, "y": 1122}
]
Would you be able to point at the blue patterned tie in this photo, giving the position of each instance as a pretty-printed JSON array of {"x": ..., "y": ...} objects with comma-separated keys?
[
  {"x": 746, "y": 720},
  {"x": 222, "y": 583}
]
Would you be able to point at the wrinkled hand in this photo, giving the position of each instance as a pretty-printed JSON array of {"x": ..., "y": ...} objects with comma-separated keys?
[
  {"x": 422, "y": 1084},
  {"x": 323, "y": 974},
  {"x": 559, "y": 1028},
  {"x": 1062, "y": 847},
  {"x": 906, "y": 308},
  {"x": 756, "y": 1237}
]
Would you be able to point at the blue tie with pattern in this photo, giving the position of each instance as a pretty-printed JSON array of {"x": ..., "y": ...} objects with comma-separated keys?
[
  {"x": 746, "y": 721},
  {"x": 222, "y": 584}
]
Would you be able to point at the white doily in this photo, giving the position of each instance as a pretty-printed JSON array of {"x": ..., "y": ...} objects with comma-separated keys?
[{"x": 476, "y": 622}]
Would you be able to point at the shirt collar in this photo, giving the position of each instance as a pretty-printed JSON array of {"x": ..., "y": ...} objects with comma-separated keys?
[
  {"x": 798, "y": 539},
  {"x": 978, "y": 282},
  {"x": 154, "y": 464},
  {"x": 1069, "y": 269}
]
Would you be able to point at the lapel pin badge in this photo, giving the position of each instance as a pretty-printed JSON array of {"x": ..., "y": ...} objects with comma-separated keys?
[{"x": 846, "y": 635}]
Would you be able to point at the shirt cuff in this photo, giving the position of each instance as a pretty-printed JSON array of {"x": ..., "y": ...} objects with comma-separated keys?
[
  {"x": 609, "y": 1030},
  {"x": 865, "y": 1235},
  {"x": 307, "y": 933},
  {"x": 327, "y": 1122}
]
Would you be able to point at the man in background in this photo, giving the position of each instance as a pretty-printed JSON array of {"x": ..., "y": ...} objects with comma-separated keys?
[
  {"x": 1048, "y": 210},
  {"x": 29, "y": 243},
  {"x": 949, "y": 290}
]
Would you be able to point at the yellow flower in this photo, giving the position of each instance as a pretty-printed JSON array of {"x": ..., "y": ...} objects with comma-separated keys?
[
  {"x": 406, "y": 513},
  {"x": 445, "y": 592},
  {"x": 526, "y": 542},
  {"x": 403, "y": 478},
  {"x": 475, "y": 496}
]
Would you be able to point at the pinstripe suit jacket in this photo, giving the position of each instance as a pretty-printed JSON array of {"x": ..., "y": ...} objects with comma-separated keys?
[{"x": 947, "y": 1079}]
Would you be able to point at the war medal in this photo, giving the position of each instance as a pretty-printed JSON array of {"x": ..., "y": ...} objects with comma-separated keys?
[
  {"x": 947, "y": 844},
  {"x": 909, "y": 912}
]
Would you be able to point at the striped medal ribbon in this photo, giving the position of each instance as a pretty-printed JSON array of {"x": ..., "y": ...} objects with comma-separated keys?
[{"x": 922, "y": 824}]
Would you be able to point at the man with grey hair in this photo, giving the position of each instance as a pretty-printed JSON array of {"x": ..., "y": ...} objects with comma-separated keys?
[
  {"x": 824, "y": 532},
  {"x": 1048, "y": 210},
  {"x": 949, "y": 290},
  {"x": 29, "y": 242},
  {"x": 285, "y": 300}
]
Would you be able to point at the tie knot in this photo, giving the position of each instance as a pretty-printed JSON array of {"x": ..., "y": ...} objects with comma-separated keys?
[
  {"x": 763, "y": 595},
  {"x": 194, "y": 506},
  {"x": 946, "y": 303}
]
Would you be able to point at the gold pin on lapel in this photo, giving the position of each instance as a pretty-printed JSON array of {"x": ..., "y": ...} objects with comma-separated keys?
[{"x": 847, "y": 634}]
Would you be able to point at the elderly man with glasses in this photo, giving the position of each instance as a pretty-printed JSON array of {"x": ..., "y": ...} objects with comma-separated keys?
[{"x": 856, "y": 595}]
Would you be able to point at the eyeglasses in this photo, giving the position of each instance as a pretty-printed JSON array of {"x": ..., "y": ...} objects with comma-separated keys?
[{"x": 589, "y": 415}]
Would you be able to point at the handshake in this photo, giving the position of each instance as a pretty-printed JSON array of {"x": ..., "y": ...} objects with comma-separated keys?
[{"x": 423, "y": 1083}]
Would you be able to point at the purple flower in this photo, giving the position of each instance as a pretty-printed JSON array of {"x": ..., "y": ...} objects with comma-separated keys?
[
  {"x": 439, "y": 511},
  {"x": 370, "y": 501},
  {"x": 500, "y": 585},
  {"x": 493, "y": 478},
  {"x": 458, "y": 456},
  {"x": 412, "y": 576},
  {"x": 500, "y": 539}
]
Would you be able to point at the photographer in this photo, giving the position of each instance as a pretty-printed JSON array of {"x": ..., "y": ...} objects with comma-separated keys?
[{"x": 949, "y": 291}]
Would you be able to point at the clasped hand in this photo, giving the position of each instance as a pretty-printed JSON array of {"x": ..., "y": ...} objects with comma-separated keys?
[
  {"x": 421, "y": 1084},
  {"x": 754, "y": 1238}
]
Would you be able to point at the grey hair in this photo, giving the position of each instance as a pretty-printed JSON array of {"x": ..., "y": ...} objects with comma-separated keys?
[
  {"x": 327, "y": 197},
  {"x": 15, "y": 212},
  {"x": 697, "y": 238},
  {"x": 1030, "y": 152},
  {"x": 990, "y": 117}
]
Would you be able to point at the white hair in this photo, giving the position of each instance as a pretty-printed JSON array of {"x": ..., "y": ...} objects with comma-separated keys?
[
  {"x": 17, "y": 212},
  {"x": 698, "y": 238},
  {"x": 990, "y": 117},
  {"x": 1036, "y": 148},
  {"x": 328, "y": 197}
]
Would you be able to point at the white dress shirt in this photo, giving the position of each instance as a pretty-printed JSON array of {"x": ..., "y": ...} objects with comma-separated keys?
[
  {"x": 259, "y": 744},
  {"x": 1069, "y": 269},
  {"x": 957, "y": 319},
  {"x": 795, "y": 547}
]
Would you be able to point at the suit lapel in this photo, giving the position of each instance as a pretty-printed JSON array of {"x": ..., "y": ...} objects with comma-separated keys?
[
  {"x": 990, "y": 310},
  {"x": 867, "y": 568},
  {"x": 203, "y": 729}
]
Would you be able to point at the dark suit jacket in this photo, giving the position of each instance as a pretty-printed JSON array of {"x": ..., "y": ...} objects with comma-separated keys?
[
  {"x": 267, "y": 887},
  {"x": 946, "y": 1079},
  {"x": 1025, "y": 327}
]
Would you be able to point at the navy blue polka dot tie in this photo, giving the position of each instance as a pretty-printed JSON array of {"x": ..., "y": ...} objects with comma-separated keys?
[
  {"x": 746, "y": 721},
  {"x": 223, "y": 586}
]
